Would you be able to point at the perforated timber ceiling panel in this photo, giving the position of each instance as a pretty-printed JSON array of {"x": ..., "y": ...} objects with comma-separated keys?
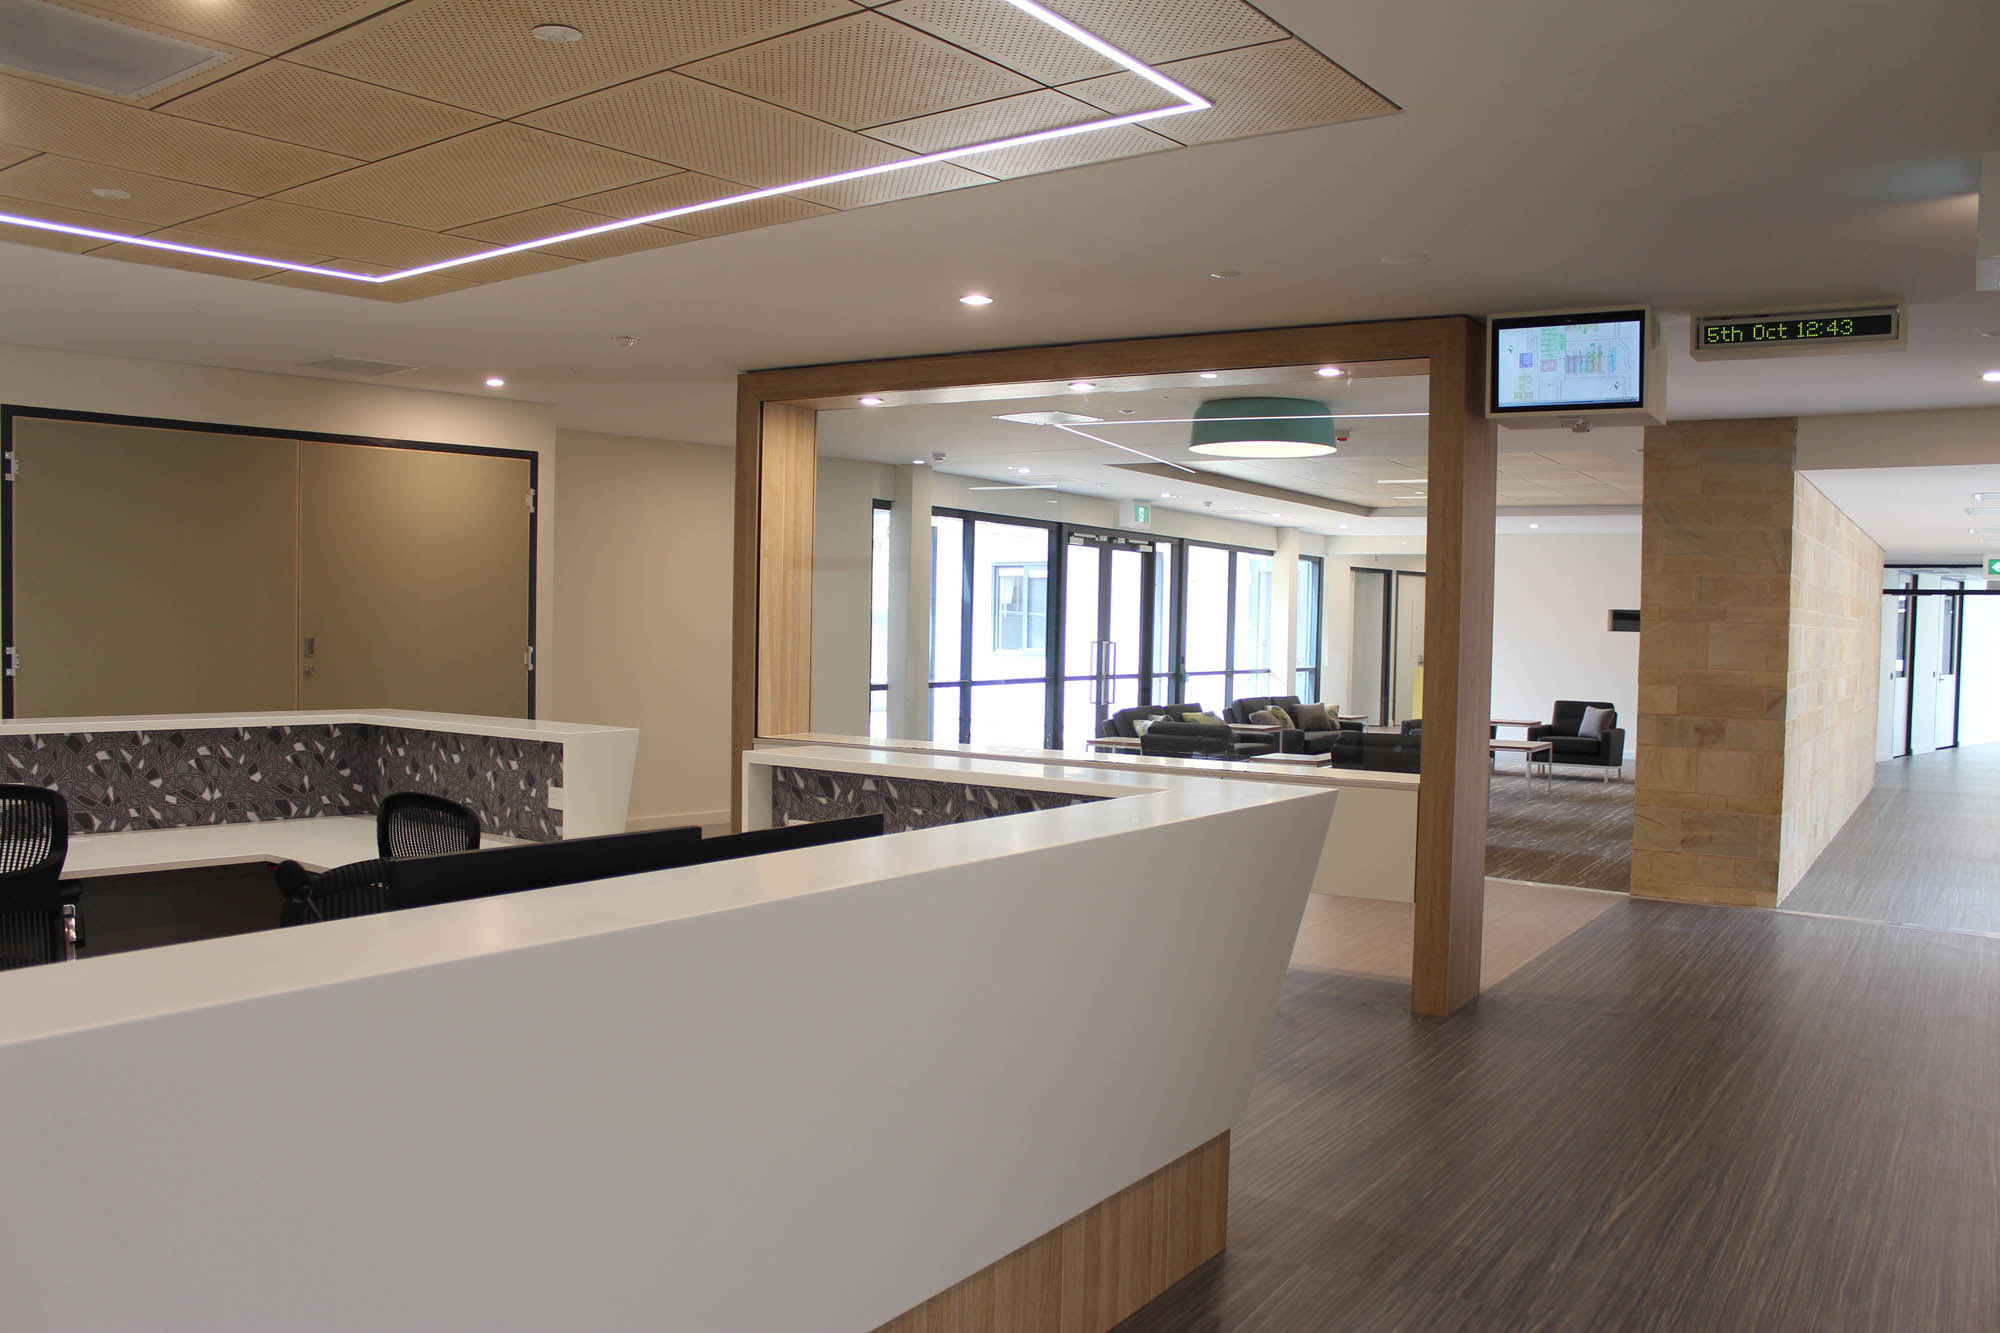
[{"x": 374, "y": 137}]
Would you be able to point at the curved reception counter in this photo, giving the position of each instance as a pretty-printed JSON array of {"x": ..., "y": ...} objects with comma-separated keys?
[{"x": 988, "y": 1063}]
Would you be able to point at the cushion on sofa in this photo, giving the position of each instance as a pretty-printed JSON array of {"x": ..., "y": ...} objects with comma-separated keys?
[
  {"x": 1597, "y": 721},
  {"x": 1266, "y": 717},
  {"x": 1284, "y": 718},
  {"x": 1206, "y": 719},
  {"x": 1314, "y": 717}
]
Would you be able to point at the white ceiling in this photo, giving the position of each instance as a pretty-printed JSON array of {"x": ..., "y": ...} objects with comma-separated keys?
[
  {"x": 1701, "y": 155},
  {"x": 1379, "y": 467},
  {"x": 1917, "y": 514}
]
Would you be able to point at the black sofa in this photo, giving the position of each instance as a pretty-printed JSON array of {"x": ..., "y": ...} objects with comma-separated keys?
[
  {"x": 1605, "y": 750},
  {"x": 1202, "y": 740},
  {"x": 383, "y": 885},
  {"x": 1381, "y": 751},
  {"x": 1121, "y": 722},
  {"x": 1294, "y": 740}
]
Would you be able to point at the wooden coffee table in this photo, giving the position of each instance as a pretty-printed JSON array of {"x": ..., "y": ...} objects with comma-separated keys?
[
  {"x": 1121, "y": 743},
  {"x": 1531, "y": 752}
]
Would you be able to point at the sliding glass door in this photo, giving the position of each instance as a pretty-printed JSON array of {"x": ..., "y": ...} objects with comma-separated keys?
[
  {"x": 1107, "y": 629},
  {"x": 990, "y": 640}
]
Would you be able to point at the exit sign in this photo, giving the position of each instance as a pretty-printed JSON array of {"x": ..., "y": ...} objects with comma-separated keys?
[{"x": 1993, "y": 567}]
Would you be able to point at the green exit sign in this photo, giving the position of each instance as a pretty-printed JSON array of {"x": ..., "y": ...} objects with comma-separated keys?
[
  {"x": 1144, "y": 514},
  {"x": 1993, "y": 567}
]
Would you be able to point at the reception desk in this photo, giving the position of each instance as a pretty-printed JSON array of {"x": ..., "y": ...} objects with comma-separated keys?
[
  {"x": 811, "y": 1090},
  {"x": 1371, "y": 843},
  {"x": 526, "y": 779}
]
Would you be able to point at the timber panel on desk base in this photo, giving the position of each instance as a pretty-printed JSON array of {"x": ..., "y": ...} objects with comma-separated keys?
[{"x": 1099, "y": 1267}]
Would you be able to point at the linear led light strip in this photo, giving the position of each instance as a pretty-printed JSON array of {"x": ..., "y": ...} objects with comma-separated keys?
[{"x": 1188, "y": 100}]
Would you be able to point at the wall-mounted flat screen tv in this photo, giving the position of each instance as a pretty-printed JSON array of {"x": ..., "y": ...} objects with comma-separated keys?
[{"x": 1577, "y": 362}]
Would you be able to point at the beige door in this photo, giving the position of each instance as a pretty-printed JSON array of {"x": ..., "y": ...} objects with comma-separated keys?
[
  {"x": 153, "y": 570},
  {"x": 413, "y": 580}
]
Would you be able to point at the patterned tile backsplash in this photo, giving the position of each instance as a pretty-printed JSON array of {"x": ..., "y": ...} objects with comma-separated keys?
[
  {"x": 119, "y": 780},
  {"x": 809, "y": 795}
]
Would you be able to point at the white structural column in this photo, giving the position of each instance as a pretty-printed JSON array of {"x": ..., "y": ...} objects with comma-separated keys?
[
  {"x": 1285, "y": 611},
  {"x": 1336, "y": 633},
  {"x": 910, "y": 605}
]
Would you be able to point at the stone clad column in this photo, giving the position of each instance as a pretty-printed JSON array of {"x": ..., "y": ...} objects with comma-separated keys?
[
  {"x": 1715, "y": 592},
  {"x": 1756, "y": 647}
]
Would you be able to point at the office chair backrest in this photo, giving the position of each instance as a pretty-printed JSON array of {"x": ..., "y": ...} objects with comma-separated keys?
[
  {"x": 34, "y": 843},
  {"x": 414, "y": 823}
]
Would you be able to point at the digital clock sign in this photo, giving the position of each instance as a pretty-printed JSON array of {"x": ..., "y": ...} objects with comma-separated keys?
[{"x": 1801, "y": 331}]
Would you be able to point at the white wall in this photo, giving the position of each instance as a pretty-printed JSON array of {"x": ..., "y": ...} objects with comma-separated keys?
[
  {"x": 37, "y": 377},
  {"x": 1551, "y": 596},
  {"x": 843, "y": 534},
  {"x": 1957, "y": 436},
  {"x": 642, "y": 622}
]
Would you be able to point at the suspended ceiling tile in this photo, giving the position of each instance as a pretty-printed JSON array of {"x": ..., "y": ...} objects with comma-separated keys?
[
  {"x": 409, "y": 289},
  {"x": 479, "y": 54},
  {"x": 9, "y": 154},
  {"x": 75, "y": 217},
  {"x": 860, "y": 71},
  {"x": 281, "y": 100},
  {"x": 539, "y": 222},
  {"x": 1011, "y": 117},
  {"x": 223, "y": 268},
  {"x": 691, "y": 188},
  {"x": 691, "y": 124},
  {"x": 932, "y": 178},
  {"x": 1004, "y": 34},
  {"x": 95, "y": 129},
  {"x": 50, "y": 179},
  {"x": 262, "y": 225},
  {"x": 269, "y": 26},
  {"x": 1256, "y": 90},
  {"x": 227, "y": 59},
  {"x": 1151, "y": 32},
  {"x": 488, "y": 173}
]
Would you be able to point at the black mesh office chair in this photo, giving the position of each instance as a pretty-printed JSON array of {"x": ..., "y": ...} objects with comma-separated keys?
[
  {"x": 411, "y": 823},
  {"x": 38, "y": 921}
]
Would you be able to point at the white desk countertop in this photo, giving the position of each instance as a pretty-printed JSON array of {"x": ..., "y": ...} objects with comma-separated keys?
[{"x": 316, "y": 844}]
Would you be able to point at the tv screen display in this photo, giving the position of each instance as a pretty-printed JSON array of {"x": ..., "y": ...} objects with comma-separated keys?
[{"x": 1553, "y": 363}]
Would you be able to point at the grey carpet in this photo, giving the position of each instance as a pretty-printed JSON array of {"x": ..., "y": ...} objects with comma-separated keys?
[{"x": 1575, "y": 831}]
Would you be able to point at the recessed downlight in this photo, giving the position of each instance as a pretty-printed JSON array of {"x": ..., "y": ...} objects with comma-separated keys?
[
  {"x": 495, "y": 382},
  {"x": 1329, "y": 372},
  {"x": 1991, "y": 377},
  {"x": 111, "y": 192},
  {"x": 916, "y": 462},
  {"x": 556, "y": 34},
  {"x": 1081, "y": 386},
  {"x": 869, "y": 400},
  {"x": 1211, "y": 375},
  {"x": 975, "y": 298},
  {"x": 1986, "y": 495},
  {"x": 1534, "y": 525}
]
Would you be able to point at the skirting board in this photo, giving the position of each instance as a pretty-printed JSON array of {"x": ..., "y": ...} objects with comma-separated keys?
[{"x": 1099, "y": 1267}]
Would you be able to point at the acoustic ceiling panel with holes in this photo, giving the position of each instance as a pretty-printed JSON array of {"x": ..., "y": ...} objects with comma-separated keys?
[{"x": 369, "y": 137}]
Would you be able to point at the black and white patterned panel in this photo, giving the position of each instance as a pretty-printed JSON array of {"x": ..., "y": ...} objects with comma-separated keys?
[
  {"x": 119, "y": 780},
  {"x": 809, "y": 795},
  {"x": 504, "y": 781}
]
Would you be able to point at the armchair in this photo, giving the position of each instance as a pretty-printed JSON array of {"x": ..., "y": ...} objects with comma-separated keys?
[{"x": 1605, "y": 750}]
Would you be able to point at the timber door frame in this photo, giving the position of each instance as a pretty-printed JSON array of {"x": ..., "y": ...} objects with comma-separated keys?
[{"x": 776, "y": 477}]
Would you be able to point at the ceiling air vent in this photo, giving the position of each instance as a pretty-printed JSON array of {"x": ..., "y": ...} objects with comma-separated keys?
[
  {"x": 356, "y": 365},
  {"x": 58, "y": 43}
]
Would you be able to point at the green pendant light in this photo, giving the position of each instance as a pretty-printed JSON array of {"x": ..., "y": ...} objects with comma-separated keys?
[{"x": 1263, "y": 428}]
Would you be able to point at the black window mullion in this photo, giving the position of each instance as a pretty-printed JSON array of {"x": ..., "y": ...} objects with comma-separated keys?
[{"x": 968, "y": 530}]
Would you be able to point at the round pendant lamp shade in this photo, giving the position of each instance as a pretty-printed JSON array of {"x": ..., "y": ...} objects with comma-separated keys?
[{"x": 1263, "y": 428}]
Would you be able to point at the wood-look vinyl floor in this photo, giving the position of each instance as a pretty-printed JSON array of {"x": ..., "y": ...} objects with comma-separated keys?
[
  {"x": 1679, "y": 1117},
  {"x": 1575, "y": 829},
  {"x": 1923, "y": 849},
  {"x": 1367, "y": 937}
]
